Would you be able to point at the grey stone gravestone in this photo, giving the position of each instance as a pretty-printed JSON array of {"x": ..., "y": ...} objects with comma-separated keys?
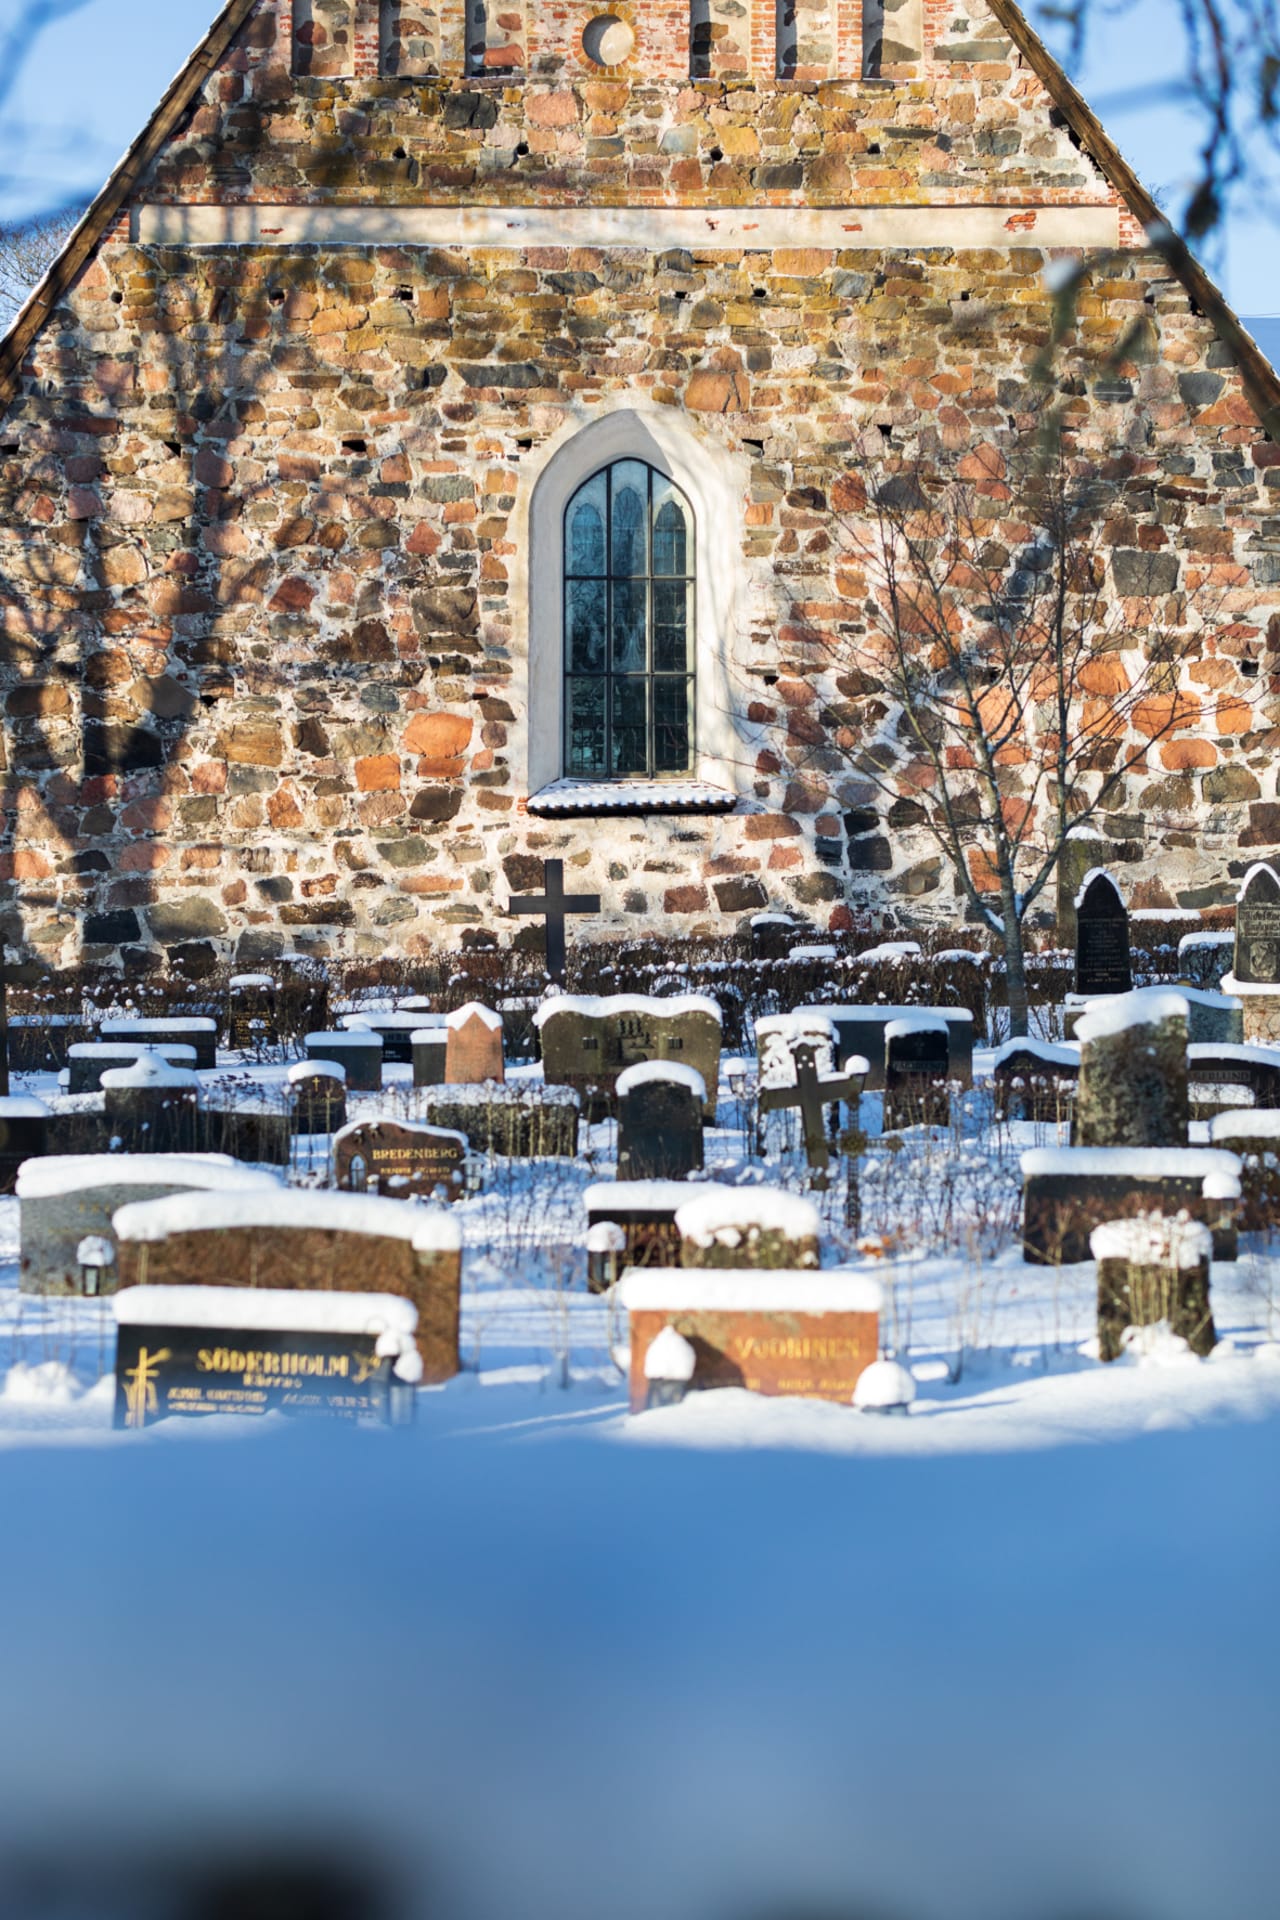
[
  {"x": 659, "y": 1121},
  {"x": 1213, "y": 1019},
  {"x": 1204, "y": 959},
  {"x": 916, "y": 1056},
  {"x": 1133, "y": 1071},
  {"x": 1152, "y": 1269},
  {"x": 400, "y": 1160},
  {"x": 587, "y": 1042},
  {"x": 357, "y": 1049},
  {"x": 1102, "y": 937},
  {"x": 515, "y": 1121}
]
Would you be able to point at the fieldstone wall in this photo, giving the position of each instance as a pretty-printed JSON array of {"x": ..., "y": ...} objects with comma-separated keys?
[{"x": 262, "y": 507}]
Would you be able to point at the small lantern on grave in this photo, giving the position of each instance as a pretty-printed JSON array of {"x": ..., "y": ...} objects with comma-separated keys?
[
  {"x": 884, "y": 1387},
  {"x": 95, "y": 1256},
  {"x": 606, "y": 1243},
  {"x": 668, "y": 1368}
]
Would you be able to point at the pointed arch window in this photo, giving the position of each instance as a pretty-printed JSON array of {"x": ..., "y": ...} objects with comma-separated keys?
[{"x": 628, "y": 626}]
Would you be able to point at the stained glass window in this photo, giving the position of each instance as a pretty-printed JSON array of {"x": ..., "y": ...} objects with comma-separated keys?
[{"x": 628, "y": 625}]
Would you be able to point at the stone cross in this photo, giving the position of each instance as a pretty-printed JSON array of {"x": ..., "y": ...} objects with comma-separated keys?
[
  {"x": 553, "y": 904},
  {"x": 811, "y": 1094}
]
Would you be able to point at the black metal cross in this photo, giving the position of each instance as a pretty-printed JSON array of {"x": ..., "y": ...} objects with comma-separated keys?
[
  {"x": 811, "y": 1094},
  {"x": 553, "y": 904}
]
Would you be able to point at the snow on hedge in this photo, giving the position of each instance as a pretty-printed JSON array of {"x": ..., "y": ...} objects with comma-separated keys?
[
  {"x": 748, "y": 1290},
  {"x": 1218, "y": 1170},
  {"x": 1118, "y": 1012},
  {"x": 673, "y": 1071},
  {"x": 429, "y": 1230},
  {"x": 605, "y": 1006},
  {"x": 892, "y": 951},
  {"x": 1194, "y": 942},
  {"x": 709, "y": 1218},
  {"x": 22, "y": 1106},
  {"x": 188, "y": 1023},
  {"x": 1152, "y": 1240},
  {"x": 265, "y": 1310},
  {"x": 58, "y": 1173}
]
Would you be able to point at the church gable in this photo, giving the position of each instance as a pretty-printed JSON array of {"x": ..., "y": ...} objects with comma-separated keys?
[{"x": 437, "y": 457}]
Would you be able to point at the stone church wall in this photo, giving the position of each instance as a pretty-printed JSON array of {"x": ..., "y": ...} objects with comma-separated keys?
[{"x": 264, "y": 507}]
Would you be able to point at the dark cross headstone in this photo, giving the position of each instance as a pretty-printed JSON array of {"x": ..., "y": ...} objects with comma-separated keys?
[
  {"x": 399, "y": 1160},
  {"x": 1102, "y": 939},
  {"x": 915, "y": 1075},
  {"x": 659, "y": 1124},
  {"x": 1258, "y": 928},
  {"x": 553, "y": 903},
  {"x": 152, "y": 1107},
  {"x": 318, "y": 1096},
  {"x": 811, "y": 1093}
]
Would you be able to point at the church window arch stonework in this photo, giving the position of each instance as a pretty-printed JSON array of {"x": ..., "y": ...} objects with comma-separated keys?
[{"x": 629, "y": 625}]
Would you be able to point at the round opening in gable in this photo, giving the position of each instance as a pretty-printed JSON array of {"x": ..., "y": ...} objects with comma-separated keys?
[{"x": 607, "y": 41}]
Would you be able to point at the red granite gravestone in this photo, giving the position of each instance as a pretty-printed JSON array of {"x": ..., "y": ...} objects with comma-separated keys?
[{"x": 473, "y": 1045}]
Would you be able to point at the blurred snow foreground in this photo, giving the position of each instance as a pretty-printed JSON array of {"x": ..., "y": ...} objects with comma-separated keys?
[{"x": 446, "y": 1675}]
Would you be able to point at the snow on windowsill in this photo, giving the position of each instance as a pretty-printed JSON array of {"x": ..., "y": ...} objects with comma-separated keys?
[
  {"x": 265, "y": 1310},
  {"x": 631, "y": 796}
]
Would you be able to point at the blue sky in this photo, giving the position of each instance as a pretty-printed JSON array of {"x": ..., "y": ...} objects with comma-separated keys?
[{"x": 95, "y": 76}]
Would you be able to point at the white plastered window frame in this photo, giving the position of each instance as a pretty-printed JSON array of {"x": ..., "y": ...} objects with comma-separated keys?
[{"x": 714, "y": 480}]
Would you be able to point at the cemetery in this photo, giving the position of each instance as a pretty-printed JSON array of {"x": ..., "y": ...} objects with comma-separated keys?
[{"x": 669, "y": 1186}]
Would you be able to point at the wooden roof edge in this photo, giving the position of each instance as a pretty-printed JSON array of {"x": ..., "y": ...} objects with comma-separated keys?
[
  {"x": 1261, "y": 380},
  {"x": 88, "y": 233}
]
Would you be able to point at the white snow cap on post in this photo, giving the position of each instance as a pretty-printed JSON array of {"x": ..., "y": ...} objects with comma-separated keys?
[
  {"x": 884, "y": 1387},
  {"x": 1144, "y": 1008},
  {"x": 670, "y": 1357},
  {"x": 473, "y": 1010},
  {"x": 606, "y": 1236},
  {"x": 675, "y": 1072}
]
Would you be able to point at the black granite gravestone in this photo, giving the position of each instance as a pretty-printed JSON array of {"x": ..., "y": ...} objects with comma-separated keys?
[
  {"x": 1257, "y": 960},
  {"x": 1102, "y": 939},
  {"x": 915, "y": 1075},
  {"x": 317, "y": 1097},
  {"x": 659, "y": 1127},
  {"x": 24, "y": 1135}
]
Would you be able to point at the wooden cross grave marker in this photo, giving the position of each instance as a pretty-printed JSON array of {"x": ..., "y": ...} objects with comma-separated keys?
[
  {"x": 553, "y": 903},
  {"x": 811, "y": 1093}
]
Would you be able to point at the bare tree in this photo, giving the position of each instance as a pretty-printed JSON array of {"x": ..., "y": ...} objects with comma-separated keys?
[
  {"x": 26, "y": 254},
  {"x": 997, "y": 676}
]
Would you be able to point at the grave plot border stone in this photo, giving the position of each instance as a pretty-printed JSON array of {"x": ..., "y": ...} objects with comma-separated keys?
[
  {"x": 64, "y": 1197},
  {"x": 199, "y": 1352},
  {"x": 315, "y": 1240},
  {"x": 775, "y": 1333},
  {"x": 1068, "y": 1191},
  {"x": 860, "y": 1030}
]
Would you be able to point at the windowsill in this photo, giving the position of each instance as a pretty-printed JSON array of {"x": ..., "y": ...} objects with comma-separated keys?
[{"x": 580, "y": 798}]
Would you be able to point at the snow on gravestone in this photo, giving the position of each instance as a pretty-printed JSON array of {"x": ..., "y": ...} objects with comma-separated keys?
[
  {"x": 473, "y": 1045},
  {"x": 1133, "y": 1071},
  {"x": 1102, "y": 937},
  {"x": 317, "y": 1094},
  {"x": 67, "y": 1196},
  {"x": 152, "y": 1107},
  {"x": 400, "y": 1159},
  {"x": 783, "y": 1331},
  {"x": 659, "y": 1121},
  {"x": 1152, "y": 1268},
  {"x": 323, "y": 1242},
  {"x": 197, "y": 1351},
  {"x": 916, "y": 1055},
  {"x": 588, "y": 1041},
  {"x": 744, "y": 1227}
]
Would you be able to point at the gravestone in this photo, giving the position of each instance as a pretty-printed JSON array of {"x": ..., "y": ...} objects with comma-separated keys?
[
  {"x": 1102, "y": 937},
  {"x": 1205, "y": 959},
  {"x": 152, "y": 1107},
  {"x": 1153, "y": 1268},
  {"x": 307, "y": 1240},
  {"x": 756, "y": 1227},
  {"x": 41, "y": 1042},
  {"x": 251, "y": 1012},
  {"x": 358, "y": 1050},
  {"x": 587, "y": 1042},
  {"x": 1225, "y": 1078},
  {"x": 1036, "y": 1081},
  {"x": 317, "y": 1096},
  {"x": 88, "y": 1060},
  {"x": 659, "y": 1121},
  {"x": 192, "y": 1030},
  {"x": 646, "y": 1212},
  {"x": 1068, "y": 1191},
  {"x": 775, "y": 1332},
  {"x": 1257, "y": 949},
  {"x": 24, "y": 1135},
  {"x": 860, "y": 1030},
  {"x": 198, "y": 1352},
  {"x": 916, "y": 1055},
  {"x": 1253, "y": 1134},
  {"x": 517, "y": 1122},
  {"x": 551, "y": 905},
  {"x": 473, "y": 1045},
  {"x": 395, "y": 1030},
  {"x": 400, "y": 1160},
  {"x": 1133, "y": 1071},
  {"x": 430, "y": 1044},
  {"x": 811, "y": 1094},
  {"x": 1213, "y": 1019},
  {"x": 66, "y": 1197},
  {"x": 772, "y": 935}
]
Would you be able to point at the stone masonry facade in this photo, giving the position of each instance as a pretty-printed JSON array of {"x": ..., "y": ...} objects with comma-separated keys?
[{"x": 267, "y": 477}]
